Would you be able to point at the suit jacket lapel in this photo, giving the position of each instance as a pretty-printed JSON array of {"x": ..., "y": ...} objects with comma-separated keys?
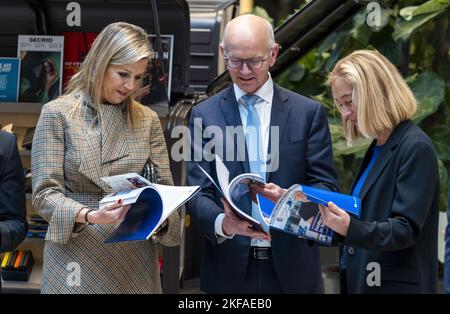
[
  {"x": 383, "y": 158},
  {"x": 278, "y": 118},
  {"x": 230, "y": 111}
]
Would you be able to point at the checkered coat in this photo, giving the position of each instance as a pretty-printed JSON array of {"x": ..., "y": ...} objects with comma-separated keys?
[{"x": 71, "y": 152}]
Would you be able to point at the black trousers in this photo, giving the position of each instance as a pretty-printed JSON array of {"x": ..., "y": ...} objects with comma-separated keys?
[{"x": 260, "y": 278}]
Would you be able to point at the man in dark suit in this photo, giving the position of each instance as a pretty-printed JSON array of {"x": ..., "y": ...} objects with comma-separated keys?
[
  {"x": 294, "y": 140},
  {"x": 13, "y": 225}
]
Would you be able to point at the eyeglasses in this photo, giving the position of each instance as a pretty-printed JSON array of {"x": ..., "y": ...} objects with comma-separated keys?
[{"x": 252, "y": 64}]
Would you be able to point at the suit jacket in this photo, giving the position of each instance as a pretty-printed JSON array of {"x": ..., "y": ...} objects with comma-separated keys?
[
  {"x": 13, "y": 224},
  {"x": 399, "y": 218},
  {"x": 447, "y": 246},
  {"x": 305, "y": 157},
  {"x": 71, "y": 151}
]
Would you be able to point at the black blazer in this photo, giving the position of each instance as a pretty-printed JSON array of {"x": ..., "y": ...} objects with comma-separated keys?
[
  {"x": 305, "y": 156},
  {"x": 13, "y": 224},
  {"x": 399, "y": 220}
]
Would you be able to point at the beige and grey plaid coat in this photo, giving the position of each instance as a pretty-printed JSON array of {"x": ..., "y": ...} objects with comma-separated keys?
[{"x": 70, "y": 153}]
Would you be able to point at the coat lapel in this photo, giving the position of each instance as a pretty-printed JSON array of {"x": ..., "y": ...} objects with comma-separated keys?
[
  {"x": 382, "y": 160},
  {"x": 113, "y": 128},
  {"x": 230, "y": 110},
  {"x": 278, "y": 118},
  {"x": 104, "y": 141}
]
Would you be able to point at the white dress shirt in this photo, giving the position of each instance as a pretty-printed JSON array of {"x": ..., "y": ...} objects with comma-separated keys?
[{"x": 264, "y": 108}]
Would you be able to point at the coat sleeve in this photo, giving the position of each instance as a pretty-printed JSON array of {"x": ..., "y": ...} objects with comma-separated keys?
[
  {"x": 319, "y": 158},
  {"x": 13, "y": 224},
  {"x": 447, "y": 246},
  {"x": 203, "y": 207},
  {"x": 171, "y": 235},
  {"x": 47, "y": 166},
  {"x": 416, "y": 190}
]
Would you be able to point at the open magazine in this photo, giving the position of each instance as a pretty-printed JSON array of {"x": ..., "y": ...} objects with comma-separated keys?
[
  {"x": 299, "y": 216},
  {"x": 293, "y": 213},
  {"x": 234, "y": 190},
  {"x": 151, "y": 205}
]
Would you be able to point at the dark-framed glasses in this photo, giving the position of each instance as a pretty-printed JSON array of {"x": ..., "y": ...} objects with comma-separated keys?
[{"x": 253, "y": 64}]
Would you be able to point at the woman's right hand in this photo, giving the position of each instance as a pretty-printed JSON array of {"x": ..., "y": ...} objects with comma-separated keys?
[{"x": 111, "y": 213}]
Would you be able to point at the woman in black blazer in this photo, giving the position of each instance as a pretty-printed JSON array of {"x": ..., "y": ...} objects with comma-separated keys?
[{"x": 392, "y": 247}]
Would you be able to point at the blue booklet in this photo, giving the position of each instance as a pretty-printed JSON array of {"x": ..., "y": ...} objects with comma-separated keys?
[
  {"x": 9, "y": 79},
  {"x": 151, "y": 204},
  {"x": 297, "y": 211}
]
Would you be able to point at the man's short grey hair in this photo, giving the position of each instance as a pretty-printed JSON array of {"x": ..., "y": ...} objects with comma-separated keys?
[{"x": 269, "y": 31}]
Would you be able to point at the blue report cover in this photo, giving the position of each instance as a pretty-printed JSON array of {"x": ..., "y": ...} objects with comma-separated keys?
[
  {"x": 9, "y": 79},
  {"x": 151, "y": 204},
  {"x": 297, "y": 211}
]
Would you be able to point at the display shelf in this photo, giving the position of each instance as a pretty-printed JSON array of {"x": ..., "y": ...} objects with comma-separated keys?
[
  {"x": 35, "y": 108},
  {"x": 20, "y": 107},
  {"x": 24, "y": 153},
  {"x": 33, "y": 285},
  {"x": 32, "y": 241}
]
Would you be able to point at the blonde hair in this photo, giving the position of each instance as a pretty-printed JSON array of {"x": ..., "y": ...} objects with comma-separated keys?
[
  {"x": 380, "y": 94},
  {"x": 118, "y": 44}
]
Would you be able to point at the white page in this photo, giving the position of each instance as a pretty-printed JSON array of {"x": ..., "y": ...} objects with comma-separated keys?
[
  {"x": 223, "y": 175},
  {"x": 174, "y": 196},
  {"x": 128, "y": 196},
  {"x": 210, "y": 179},
  {"x": 126, "y": 181}
]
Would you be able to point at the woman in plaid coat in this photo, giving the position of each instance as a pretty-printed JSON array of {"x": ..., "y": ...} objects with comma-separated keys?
[{"x": 97, "y": 129}]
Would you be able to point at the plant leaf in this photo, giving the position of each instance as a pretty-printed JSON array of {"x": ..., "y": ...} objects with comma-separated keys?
[
  {"x": 440, "y": 136},
  {"x": 404, "y": 29},
  {"x": 429, "y": 90}
]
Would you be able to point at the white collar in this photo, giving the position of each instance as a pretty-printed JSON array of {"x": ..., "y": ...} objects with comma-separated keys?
[{"x": 265, "y": 92}]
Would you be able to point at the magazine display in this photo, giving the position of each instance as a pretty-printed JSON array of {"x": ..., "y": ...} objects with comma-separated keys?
[
  {"x": 41, "y": 67},
  {"x": 9, "y": 79},
  {"x": 297, "y": 212},
  {"x": 151, "y": 204},
  {"x": 160, "y": 81},
  {"x": 76, "y": 47}
]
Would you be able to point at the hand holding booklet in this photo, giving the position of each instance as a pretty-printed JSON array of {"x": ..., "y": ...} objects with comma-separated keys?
[
  {"x": 151, "y": 204},
  {"x": 293, "y": 213}
]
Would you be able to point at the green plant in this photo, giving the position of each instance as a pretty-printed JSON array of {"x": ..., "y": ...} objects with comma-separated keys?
[{"x": 415, "y": 36}]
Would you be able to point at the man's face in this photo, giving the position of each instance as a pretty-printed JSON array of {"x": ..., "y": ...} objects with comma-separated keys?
[{"x": 254, "y": 57}]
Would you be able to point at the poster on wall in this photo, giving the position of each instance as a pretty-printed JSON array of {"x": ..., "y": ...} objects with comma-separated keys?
[
  {"x": 156, "y": 85},
  {"x": 76, "y": 47},
  {"x": 41, "y": 67},
  {"x": 9, "y": 79}
]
